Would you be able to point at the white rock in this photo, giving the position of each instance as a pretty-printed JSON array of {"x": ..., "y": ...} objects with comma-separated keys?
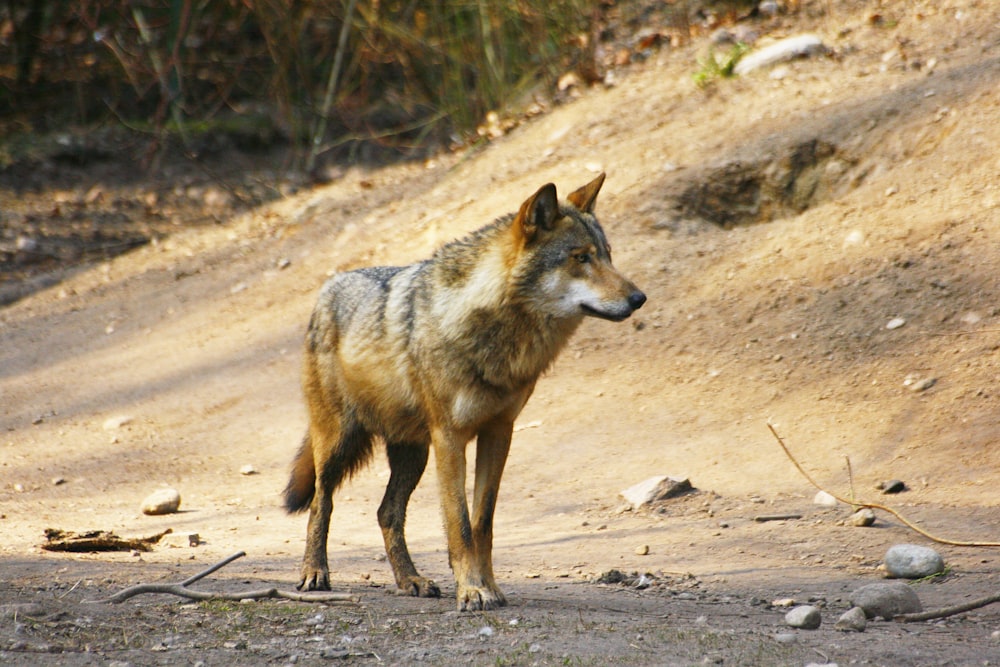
[
  {"x": 895, "y": 323},
  {"x": 786, "y": 49},
  {"x": 855, "y": 237},
  {"x": 162, "y": 501},
  {"x": 248, "y": 469},
  {"x": 912, "y": 561},
  {"x": 112, "y": 423},
  {"x": 825, "y": 499}
]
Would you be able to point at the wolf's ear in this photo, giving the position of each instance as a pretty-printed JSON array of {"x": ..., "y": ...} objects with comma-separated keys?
[
  {"x": 585, "y": 197},
  {"x": 539, "y": 212}
]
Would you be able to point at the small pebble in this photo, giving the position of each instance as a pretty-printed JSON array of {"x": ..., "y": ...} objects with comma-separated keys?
[
  {"x": 895, "y": 323},
  {"x": 922, "y": 385},
  {"x": 825, "y": 499},
  {"x": 642, "y": 550},
  {"x": 248, "y": 469},
  {"x": 113, "y": 423},
  {"x": 485, "y": 631},
  {"x": 853, "y": 620},
  {"x": 863, "y": 518}
]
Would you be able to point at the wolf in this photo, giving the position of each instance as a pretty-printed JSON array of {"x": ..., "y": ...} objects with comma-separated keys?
[{"x": 436, "y": 354}]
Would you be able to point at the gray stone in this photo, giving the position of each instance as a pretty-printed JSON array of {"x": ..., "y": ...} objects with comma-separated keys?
[
  {"x": 162, "y": 501},
  {"x": 852, "y": 620},
  {"x": 804, "y": 616},
  {"x": 911, "y": 561},
  {"x": 886, "y": 600}
]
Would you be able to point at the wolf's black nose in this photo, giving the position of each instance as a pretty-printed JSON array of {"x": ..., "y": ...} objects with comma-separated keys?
[{"x": 636, "y": 299}]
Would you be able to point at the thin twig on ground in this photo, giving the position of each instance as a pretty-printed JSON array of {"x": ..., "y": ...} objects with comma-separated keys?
[
  {"x": 181, "y": 590},
  {"x": 875, "y": 506}
]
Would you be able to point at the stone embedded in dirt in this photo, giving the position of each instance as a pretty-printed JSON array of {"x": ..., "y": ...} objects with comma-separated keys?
[
  {"x": 112, "y": 423},
  {"x": 248, "y": 469},
  {"x": 162, "y": 501},
  {"x": 912, "y": 561},
  {"x": 180, "y": 540},
  {"x": 335, "y": 653},
  {"x": 804, "y": 616},
  {"x": 892, "y": 486},
  {"x": 656, "y": 489},
  {"x": 799, "y": 46},
  {"x": 825, "y": 499},
  {"x": 886, "y": 600},
  {"x": 863, "y": 518},
  {"x": 642, "y": 550},
  {"x": 852, "y": 620},
  {"x": 895, "y": 323}
]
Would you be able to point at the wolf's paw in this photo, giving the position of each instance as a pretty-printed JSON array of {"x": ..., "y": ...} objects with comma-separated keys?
[
  {"x": 419, "y": 587},
  {"x": 476, "y": 598},
  {"x": 314, "y": 579}
]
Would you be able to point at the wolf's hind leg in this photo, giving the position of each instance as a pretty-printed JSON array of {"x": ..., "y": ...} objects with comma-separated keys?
[
  {"x": 340, "y": 446},
  {"x": 406, "y": 464}
]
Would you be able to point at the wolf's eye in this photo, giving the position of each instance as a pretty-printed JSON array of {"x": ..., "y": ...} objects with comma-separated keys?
[{"x": 584, "y": 258}]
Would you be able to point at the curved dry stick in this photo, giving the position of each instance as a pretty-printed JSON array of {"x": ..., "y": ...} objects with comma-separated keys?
[
  {"x": 183, "y": 591},
  {"x": 855, "y": 503},
  {"x": 947, "y": 611}
]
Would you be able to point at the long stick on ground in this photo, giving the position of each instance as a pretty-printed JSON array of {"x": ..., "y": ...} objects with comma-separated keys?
[
  {"x": 856, "y": 503},
  {"x": 947, "y": 611},
  {"x": 181, "y": 590}
]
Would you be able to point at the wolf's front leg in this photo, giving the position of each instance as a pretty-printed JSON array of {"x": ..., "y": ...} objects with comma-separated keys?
[
  {"x": 492, "y": 447},
  {"x": 475, "y": 589},
  {"x": 315, "y": 572}
]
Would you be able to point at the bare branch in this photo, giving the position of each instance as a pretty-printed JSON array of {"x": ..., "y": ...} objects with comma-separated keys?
[
  {"x": 181, "y": 590},
  {"x": 856, "y": 503},
  {"x": 947, "y": 611}
]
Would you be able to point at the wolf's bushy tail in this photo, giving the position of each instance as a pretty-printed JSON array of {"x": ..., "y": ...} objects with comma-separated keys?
[{"x": 302, "y": 483}]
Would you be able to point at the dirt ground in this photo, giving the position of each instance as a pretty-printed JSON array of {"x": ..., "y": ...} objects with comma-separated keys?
[{"x": 778, "y": 222}]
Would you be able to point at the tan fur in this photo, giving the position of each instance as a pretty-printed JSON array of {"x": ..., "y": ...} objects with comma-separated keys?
[{"x": 439, "y": 353}]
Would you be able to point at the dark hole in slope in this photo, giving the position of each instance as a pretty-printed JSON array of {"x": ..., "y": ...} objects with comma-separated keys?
[{"x": 776, "y": 185}]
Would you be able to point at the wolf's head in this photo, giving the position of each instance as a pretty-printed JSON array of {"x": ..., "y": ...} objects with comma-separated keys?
[{"x": 564, "y": 268}]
